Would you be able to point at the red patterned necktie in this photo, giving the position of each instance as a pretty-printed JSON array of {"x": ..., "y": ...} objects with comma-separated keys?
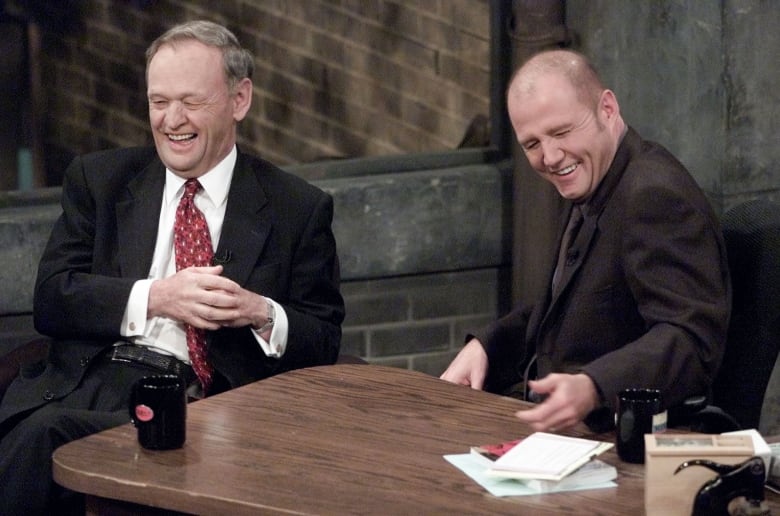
[{"x": 192, "y": 243}]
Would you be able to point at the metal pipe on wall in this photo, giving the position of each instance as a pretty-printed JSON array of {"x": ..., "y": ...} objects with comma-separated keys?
[
  {"x": 500, "y": 71},
  {"x": 535, "y": 25}
]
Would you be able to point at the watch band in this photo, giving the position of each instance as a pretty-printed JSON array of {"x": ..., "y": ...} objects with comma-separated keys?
[{"x": 271, "y": 317}]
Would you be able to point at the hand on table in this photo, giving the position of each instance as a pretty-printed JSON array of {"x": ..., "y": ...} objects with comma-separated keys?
[{"x": 469, "y": 367}]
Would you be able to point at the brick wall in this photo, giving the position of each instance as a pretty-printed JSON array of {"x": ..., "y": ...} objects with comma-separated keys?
[
  {"x": 419, "y": 322},
  {"x": 424, "y": 255},
  {"x": 334, "y": 78}
]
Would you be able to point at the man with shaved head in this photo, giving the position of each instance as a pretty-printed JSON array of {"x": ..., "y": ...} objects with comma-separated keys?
[{"x": 639, "y": 291}]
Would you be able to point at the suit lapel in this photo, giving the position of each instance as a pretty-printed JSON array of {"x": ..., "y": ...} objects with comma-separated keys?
[
  {"x": 578, "y": 250},
  {"x": 584, "y": 239},
  {"x": 138, "y": 213},
  {"x": 245, "y": 228}
]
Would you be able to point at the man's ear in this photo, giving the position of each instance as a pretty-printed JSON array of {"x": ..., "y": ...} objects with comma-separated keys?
[
  {"x": 242, "y": 99},
  {"x": 608, "y": 105}
]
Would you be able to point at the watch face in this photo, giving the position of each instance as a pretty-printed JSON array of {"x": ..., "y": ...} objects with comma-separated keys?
[
  {"x": 270, "y": 316},
  {"x": 271, "y": 313}
]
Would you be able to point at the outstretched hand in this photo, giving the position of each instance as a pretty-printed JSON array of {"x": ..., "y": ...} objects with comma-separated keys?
[{"x": 569, "y": 399}]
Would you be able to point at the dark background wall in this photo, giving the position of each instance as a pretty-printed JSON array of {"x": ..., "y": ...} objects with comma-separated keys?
[
  {"x": 370, "y": 78},
  {"x": 700, "y": 77}
]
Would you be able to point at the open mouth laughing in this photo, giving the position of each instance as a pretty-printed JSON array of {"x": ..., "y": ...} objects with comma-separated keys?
[
  {"x": 181, "y": 137},
  {"x": 565, "y": 171}
]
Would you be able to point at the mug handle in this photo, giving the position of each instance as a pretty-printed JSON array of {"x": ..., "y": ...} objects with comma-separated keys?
[{"x": 131, "y": 404}]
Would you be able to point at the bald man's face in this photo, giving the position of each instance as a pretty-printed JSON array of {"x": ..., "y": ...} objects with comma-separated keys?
[{"x": 567, "y": 142}]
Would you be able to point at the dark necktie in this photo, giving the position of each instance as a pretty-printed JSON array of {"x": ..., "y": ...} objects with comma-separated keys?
[
  {"x": 575, "y": 221},
  {"x": 192, "y": 244}
]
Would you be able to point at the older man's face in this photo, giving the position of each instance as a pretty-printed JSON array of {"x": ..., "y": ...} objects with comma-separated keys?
[{"x": 192, "y": 113}]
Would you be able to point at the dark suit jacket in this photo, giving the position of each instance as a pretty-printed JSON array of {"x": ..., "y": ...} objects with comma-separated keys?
[
  {"x": 276, "y": 231},
  {"x": 645, "y": 298}
]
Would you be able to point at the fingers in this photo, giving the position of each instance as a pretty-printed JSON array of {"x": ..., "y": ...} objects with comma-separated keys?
[
  {"x": 214, "y": 270},
  {"x": 453, "y": 374},
  {"x": 209, "y": 278},
  {"x": 469, "y": 367},
  {"x": 542, "y": 417},
  {"x": 545, "y": 417},
  {"x": 451, "y": 377},
  {"x": 569, "y": 398},
  {"x": 202, "y": 297}
]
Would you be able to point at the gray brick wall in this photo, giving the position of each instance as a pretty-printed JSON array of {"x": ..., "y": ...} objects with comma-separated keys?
[{"x": 419, "y": 322}]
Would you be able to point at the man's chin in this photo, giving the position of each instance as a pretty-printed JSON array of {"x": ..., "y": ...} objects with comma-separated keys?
[
  {"x": 176, "y": 164},
  {"x": 569, "y": 194}
]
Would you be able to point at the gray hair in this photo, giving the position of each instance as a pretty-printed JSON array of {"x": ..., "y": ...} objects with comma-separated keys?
[{"x": 237, "y": 61}]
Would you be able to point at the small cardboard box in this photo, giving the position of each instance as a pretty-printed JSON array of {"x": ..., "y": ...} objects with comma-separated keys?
[{"x": 667, "y": 494}]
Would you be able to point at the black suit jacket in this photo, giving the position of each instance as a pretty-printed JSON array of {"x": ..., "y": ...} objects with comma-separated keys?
[
  {"x": 276, "y": 232},
  {"x": 645, "y": 297}
]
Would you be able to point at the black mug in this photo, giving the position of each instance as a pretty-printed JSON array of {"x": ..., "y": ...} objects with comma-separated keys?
[
  {"x": 638, "y": 413},
  {"x": 158, "y": 409}
]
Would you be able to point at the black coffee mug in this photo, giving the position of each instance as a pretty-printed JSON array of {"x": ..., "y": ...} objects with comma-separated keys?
[
  {"x": 638, "y": 413},
  {"x": 158, "y": 409}
]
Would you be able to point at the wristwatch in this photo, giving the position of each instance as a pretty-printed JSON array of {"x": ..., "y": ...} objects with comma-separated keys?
[{"x": 271, "y": 316}]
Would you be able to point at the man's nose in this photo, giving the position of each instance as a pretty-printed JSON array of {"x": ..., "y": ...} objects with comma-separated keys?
[
  {"x": 551, "y": 154},
  {"x": 174, "y": 114}
]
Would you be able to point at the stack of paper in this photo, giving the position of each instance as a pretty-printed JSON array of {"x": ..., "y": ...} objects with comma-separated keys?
[
  {"x": 543, "y": 456},
  {"x": 540, "y": 463}
]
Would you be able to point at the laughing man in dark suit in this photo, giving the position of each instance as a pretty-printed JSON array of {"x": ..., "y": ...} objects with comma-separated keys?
[
  {"x": 641, "y": 297},
  {"x": 108, "y": 291}
]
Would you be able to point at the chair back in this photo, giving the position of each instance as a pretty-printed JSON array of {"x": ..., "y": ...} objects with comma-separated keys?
[{"x": 752, "y": 234}]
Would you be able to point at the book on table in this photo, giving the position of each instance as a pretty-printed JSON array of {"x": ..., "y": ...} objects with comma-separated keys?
[{"x": 548, "y": 460}]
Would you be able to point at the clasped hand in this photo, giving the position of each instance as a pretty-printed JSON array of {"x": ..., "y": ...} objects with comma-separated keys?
[{"x": 202, "y": 297}]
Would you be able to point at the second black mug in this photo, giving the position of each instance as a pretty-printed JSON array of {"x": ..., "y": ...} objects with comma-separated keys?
[{"x": 638, "y": 413}]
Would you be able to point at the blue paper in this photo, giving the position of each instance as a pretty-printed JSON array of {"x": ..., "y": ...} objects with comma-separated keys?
[{"x": 507, "y": 486}]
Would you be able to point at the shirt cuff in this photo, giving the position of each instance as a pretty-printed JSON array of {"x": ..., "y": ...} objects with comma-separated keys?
[
  {"x": 277, "y": 344},
  {"x": 134, "y": 319}
]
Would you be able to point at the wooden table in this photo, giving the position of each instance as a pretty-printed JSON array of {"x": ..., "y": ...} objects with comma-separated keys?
[{"x": 340, "y": 439}]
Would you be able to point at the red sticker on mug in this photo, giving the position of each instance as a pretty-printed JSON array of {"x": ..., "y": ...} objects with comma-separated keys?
[{"x": 144, "y": 413}]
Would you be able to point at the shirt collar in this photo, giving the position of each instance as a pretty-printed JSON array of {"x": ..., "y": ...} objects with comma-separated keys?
[{"x": 215, "y": 182}]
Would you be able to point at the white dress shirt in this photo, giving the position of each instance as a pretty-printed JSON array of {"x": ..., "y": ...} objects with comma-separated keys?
[{"x": 167, "y": 335}]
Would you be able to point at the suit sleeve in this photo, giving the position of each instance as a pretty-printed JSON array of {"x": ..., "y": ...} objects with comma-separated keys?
[
  {"x": 504, "y": 342},
  {"x": 674, "y": 262},
  {"x": 315, "y": 308},
  {"x": 300, "y": 271},
  {"x": 72, "y": 298}
]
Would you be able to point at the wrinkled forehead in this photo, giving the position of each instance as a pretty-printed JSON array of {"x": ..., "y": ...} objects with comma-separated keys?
[{"x": 533, "y": 98}]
